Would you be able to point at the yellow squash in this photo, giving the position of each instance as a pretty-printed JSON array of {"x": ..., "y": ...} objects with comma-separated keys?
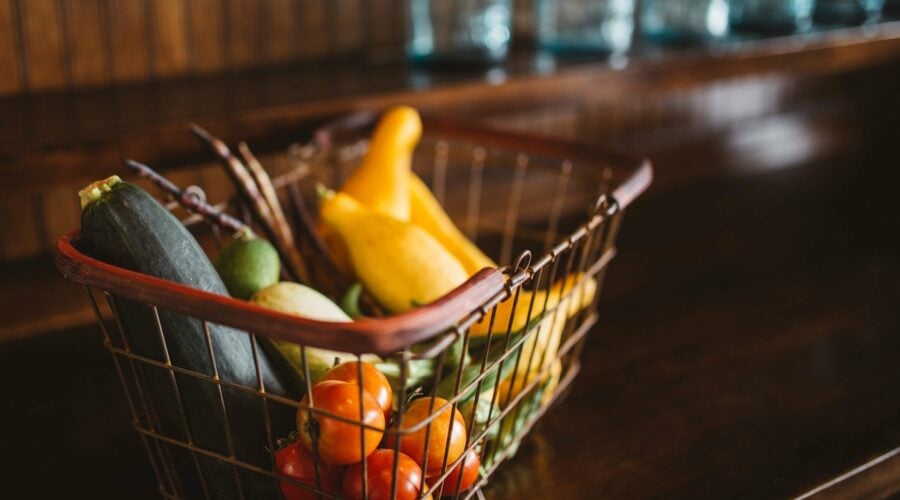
[
  {"x": 399, "y": 263},
  {"x": 382, "y": 180},
  {"x": 427, "y": 213},
  {"x": 540, "y": 350},
  {"x": 581, "y": 297}
]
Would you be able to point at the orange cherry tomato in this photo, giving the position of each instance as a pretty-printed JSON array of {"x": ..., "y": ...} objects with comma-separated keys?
[
  {"x": 338, "y": 441},
  {"x": 373, "y": 381},
  {"x": 456, "y": 481},
  {"x": 380, "y": 474},
  {"x": 296, "y": 462},
  {"x": 442, "y": 430}
]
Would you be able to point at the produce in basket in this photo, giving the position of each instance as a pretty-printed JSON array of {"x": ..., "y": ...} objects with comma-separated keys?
[
  {"x": 295, "y": 462},
  {"x": 248, "y": 264},
  {"x": 542, "y": 299},
  {"x": 301, "y": 300},
  {"x": 462, "y": 477},
  {"x": 399, "y": 263},
  {"x": 373, "y": 381},
  {"x": 125, "y": 226},
  {"x": 427, "y": 213},
  {"x": 444, "y": 437},
  {"x": 381, "y": 182},
  {"x": 338, "y": 442},
  {"x": 380, "y": 476}
]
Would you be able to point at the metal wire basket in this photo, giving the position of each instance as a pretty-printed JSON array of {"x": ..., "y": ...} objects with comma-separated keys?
[{"x": 550, "y": 210}]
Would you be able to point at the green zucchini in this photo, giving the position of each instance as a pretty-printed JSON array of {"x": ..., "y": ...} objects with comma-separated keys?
[{"x": 123, "y": 225}]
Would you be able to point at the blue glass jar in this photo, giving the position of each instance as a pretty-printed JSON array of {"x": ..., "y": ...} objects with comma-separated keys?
[
  {"x": 462, "y": 30},
  {"x": 771, "y": 16},
  {"x": 684, "y": 20},
  {"x": 847, "y": 12},
  {"x": 585, "y": 25}
]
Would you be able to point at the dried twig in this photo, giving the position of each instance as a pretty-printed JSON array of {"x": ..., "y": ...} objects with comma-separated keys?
[
  {"x": 259, "y": 207},
  {"x": 190, "y": 201},
  {"x": 264, "y": 182}
]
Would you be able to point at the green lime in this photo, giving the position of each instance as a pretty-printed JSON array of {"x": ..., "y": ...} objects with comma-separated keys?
[{"x": 247, "y": 265}]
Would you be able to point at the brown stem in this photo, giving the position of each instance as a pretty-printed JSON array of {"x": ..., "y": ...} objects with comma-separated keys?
[
  {"x": 264, "y": 182},
  {"x": 259, "y": 208},
  {"x": 189, "y": 201}
]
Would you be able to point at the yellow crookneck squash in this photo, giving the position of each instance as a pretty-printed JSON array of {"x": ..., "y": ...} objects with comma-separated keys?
[{"x": 399, "y": 263}]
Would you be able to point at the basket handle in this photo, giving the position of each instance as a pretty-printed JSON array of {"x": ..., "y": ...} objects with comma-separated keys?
[{"x": 381, "y": 336}]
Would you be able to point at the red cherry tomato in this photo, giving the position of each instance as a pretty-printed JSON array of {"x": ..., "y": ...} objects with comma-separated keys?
[
  {"x": 469, "y": 466},
  {"x": 442, "y": 430},
  {"x": 380, "y": 473},
  {"x": 374, "y": 382},
  {"x": 339, "y": 441},
  {"x": 296, "y": 462}
]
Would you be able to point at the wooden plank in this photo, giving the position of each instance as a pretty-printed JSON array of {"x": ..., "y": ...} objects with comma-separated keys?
[
  {"x": 10, "y": 61},
  {"x": 346, "y": 29},
  {"x": 280, "y": 36},
  {"x": 44, "y": 44},
  {"x": 61, "y": 213},
  {"x": 169, "y": 38},
  {"x": 207, "y": 35},
  {"x": 87, "y": 29},
  {"x": 379, "y": 22},
  {"x": 244, "y": 33},
  {"x": 19, "y": 227},
  {"x": 129, "y": 39},
  {"x": 312, "y": 38}
]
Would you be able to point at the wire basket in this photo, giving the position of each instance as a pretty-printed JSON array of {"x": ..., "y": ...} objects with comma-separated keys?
[{"x": 549, "y": 210}]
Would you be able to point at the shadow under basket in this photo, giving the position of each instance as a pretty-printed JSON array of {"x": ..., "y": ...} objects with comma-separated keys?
[{"x": 546, "y": 211}]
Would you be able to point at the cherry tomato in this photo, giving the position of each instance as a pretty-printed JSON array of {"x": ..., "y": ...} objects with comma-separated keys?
[
  {"x": 296, "y": 462},
  {"x": 374, "y": 382},
  {"x": 338, "y": 441},
  {"x": 442, "y": 429},
  {"x": 469, "y": 466},
  {"x": 380, "y": 473}
]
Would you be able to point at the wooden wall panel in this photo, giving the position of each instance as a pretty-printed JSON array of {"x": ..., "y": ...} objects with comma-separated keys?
[
  {"x": 10, "y": 62},
  {"x": 86, "y": 23},
  {"x": 20, "y": 233},
  {"x": 44, "y": 44},
  {"x": 207, "y": 35},
  {"x": 169, "y": 51},
  {"x": 57, "y": 44},
  {"x": 348, "y": 32},
  {"x": 280, "y": 39},
  {"x": 312, "y": 38},
  {"x": 243, "y": 32},
  {"x": 129, "y": 32}
]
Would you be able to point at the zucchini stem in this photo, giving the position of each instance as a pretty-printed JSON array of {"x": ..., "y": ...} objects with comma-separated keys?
[{"x": 93, "y": 191}]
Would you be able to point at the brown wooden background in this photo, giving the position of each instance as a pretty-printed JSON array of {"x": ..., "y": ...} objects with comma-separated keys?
[{"x": 60, "y": 44}]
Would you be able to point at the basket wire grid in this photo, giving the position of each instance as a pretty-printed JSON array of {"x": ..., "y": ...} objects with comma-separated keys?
[{"x": 503, "y": 205}]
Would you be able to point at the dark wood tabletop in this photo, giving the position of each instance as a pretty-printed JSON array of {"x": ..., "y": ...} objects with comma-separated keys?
[{"x": 748, "y": 347}]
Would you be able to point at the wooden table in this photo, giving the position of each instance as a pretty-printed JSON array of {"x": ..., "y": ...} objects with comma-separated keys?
[{"x": 748, "y": 346}]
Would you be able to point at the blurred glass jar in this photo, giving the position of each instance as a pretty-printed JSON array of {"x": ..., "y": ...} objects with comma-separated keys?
[
  {"x": 462, "y": 30},
  {"x": 847, "y": 11},
  {"x": 585, "y": 25},
  {"x": 684, "y": 20},
  {"x": 771, "y": 16}
]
